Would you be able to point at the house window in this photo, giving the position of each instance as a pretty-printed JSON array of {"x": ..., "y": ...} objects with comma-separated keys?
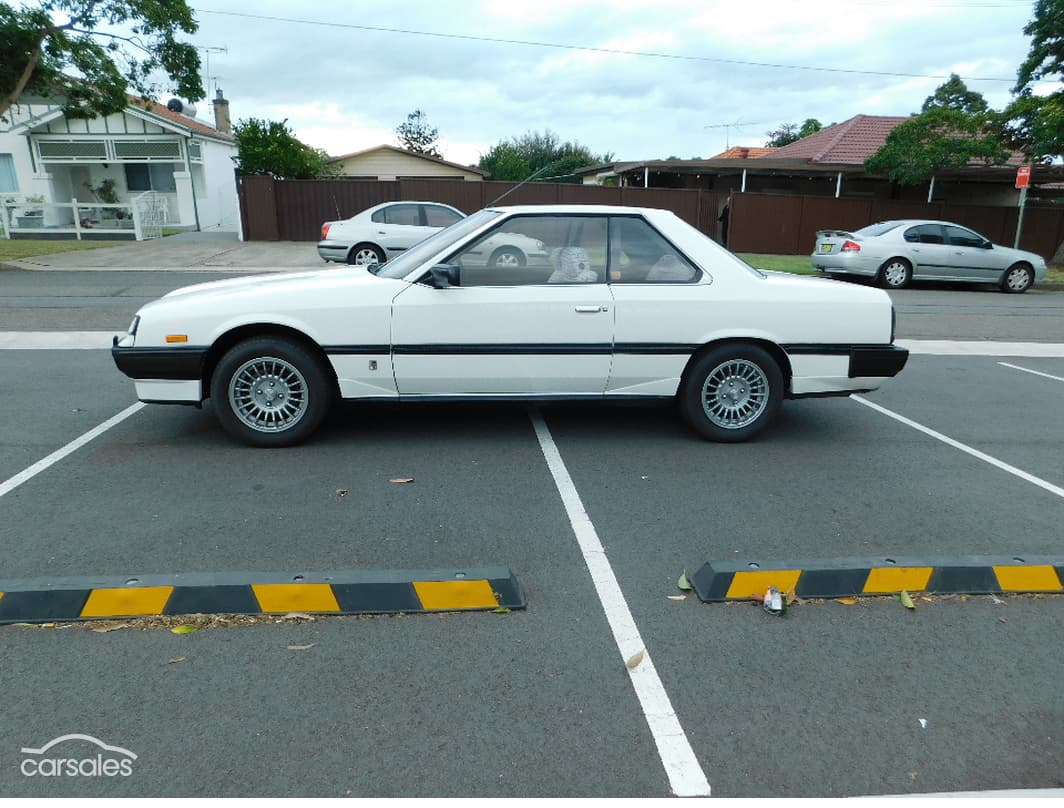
[
  {"x": 150, "y": 177},
  {"x": 8, "y": 179}
]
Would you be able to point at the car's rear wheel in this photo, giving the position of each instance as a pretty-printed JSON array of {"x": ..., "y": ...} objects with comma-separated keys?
[
  {"x": 732, "y": 393},
  {"x": 365, "y": 254},
  {"x": 271, "y": 391},
  {"x": 1017, "y": 279},
  {"x": 506, "y": 257},
  {"x": 895, "y": 273}
]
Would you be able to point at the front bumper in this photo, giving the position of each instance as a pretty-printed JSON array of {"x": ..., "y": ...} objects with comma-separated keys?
[{"x": 163, "y": 375}]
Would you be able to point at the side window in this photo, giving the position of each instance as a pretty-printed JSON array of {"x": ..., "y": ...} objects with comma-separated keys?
[
  {"x": 437, "y": 216},
  {"x": 534, "y": 250},
  {"x": 8, "y": 178},
  {"x": 402, "y": 214},
  {"x": 960, "y": 237},
  {"x": 378, "y": 216},
  {"x": 639, "y": 254},
  {"x": 925, "y": 234}
]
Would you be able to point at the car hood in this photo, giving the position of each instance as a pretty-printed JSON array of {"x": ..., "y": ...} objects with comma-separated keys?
[{"x": 278, "y": 280}]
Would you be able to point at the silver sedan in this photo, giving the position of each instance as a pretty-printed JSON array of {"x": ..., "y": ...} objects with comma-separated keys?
[{"x": 897, "y": 252}]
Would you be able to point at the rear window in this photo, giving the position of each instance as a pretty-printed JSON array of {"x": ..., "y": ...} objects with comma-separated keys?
[{"x": 876, "y": 229}]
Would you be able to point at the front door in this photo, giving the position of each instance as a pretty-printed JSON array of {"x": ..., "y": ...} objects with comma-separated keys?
[{"x": 539, "y": 324}]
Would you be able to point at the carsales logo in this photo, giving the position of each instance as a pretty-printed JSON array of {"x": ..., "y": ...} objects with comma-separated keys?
[{"x": 52, "y": 761}]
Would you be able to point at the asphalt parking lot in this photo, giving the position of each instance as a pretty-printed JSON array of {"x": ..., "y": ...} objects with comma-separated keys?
[{"x": 833, "y": 700}]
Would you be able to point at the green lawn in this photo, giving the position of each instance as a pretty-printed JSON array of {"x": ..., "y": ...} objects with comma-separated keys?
[{"x": 14, "y": 249}]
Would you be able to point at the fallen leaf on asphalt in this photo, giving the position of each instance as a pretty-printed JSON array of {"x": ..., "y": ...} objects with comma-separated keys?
[
  {"x": 677, "y": 597},
  {"x": 341, "y": 492},
  {"x": 996, "y": 600},
  {"x": 850, "y": 601},
  {"x": 182, "y": 629},
  {"x": 175, "y": 660},
  {"x": 301, "y": 647},
  {"x": 1003, "y": 620},
  {"x": 683, "y": 583},
  {"x": 906, "y": 600},
  {"x": 500, "y": 610},
  {"x": 401, "y": 480},
  {"x": 789, "y": 597},
  {"x": 47, "y": 625},
  {"x": 635, "y": 659},
  {"x": 298, "y": 616},
  {"x": 913, "y": 775},
  {"x": 105, "y": 629},
  {"x": 927, "y": 599}
]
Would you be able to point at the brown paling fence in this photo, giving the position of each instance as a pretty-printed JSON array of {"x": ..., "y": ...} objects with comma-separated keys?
[
  {"x": 294, "y": 210},
  {"x": 787, "y": 225}
]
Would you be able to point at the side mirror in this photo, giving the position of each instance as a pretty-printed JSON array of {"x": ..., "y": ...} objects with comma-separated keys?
[
  {"x": 987, "y": 245},
  {"x": 445, "y": 275}
]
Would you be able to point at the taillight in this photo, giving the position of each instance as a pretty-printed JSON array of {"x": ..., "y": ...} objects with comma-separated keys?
[
  {"x": 325, "y": 230},
  {"x": 850, "y": 246}
]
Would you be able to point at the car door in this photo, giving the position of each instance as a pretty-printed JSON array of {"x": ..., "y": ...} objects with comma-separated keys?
[
  {"x": 973, "y": 260},
  {"x": 542, "y": 329},
  {"x": 931, "y": 256},
  {"x": 399, "y": 227}
]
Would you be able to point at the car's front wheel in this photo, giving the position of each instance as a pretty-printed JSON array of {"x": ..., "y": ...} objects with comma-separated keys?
[
  {"x": 271, "y": 391},
  {"x": 896, "y": 273},
  {"x": 364, "y": 255},
  {"x": 732, "y": 393},
  {"x": 1017, "y": 279}
]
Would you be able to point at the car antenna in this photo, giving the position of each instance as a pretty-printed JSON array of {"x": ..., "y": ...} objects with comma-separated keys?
[{"x": 522, "y": 182}]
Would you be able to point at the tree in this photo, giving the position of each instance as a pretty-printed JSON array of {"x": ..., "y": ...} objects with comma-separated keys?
[
  {"x": 417, "y": 136},
  {"x": 954, "y": 128},
  {"x": 954, "y": 94},
  {"x": 790, "y": 132},
  {"x": 519, "y": 158},
  {"x": 1035, "y": 123},
  {"x": 268, "y": 147},
  {"x": 59, "y": 49}
]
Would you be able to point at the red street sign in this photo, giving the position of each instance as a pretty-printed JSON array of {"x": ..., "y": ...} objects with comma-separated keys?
[{"x": 1023, "y": 177}]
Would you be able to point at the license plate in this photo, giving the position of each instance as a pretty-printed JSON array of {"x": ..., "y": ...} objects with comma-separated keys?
[{"x": 826, "y": 248}]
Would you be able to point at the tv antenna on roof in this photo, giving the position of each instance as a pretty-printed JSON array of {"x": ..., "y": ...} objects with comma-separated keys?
[
  {"x": 208, "y": 50},
  {"x": 727, "y": 127}
]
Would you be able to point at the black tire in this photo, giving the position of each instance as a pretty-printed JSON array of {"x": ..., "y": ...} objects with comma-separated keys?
[
  {"x": 365, "y": 254},
  {"x": 270, "y": 392},
  {"x": 896, "y": 273},
  {"x": 732, "y": 393},
  {"x": 1017, "y": 279},
  {"x": 506, "y": 257}
]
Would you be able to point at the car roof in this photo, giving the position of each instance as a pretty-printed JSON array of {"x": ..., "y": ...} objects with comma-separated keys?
[
  {"x": 906, "y": 222},
  {"x": 609, "y": 209}
]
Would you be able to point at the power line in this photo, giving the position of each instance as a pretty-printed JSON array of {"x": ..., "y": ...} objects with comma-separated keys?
[{"x": 589, "y": 48}]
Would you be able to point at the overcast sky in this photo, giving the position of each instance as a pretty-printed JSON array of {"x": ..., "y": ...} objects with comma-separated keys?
[{"x": 344, "y": 87}]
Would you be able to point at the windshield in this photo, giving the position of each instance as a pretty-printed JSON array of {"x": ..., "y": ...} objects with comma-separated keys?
[
  {"x": 421, "y": 252},
  {"x": 876, "y": 229}
]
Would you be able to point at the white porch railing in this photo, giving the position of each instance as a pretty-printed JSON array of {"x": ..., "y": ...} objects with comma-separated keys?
[{"x": 143, "y": 218}]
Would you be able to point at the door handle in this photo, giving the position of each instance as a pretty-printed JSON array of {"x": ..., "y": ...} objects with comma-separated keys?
[{"x": 590, "y": 309}]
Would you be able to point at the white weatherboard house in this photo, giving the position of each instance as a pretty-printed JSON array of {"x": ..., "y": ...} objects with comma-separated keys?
[{"x": 127, "y": 175}]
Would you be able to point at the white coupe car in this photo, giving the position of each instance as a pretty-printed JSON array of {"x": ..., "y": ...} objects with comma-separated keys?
[{"x": 632, "y": 303}]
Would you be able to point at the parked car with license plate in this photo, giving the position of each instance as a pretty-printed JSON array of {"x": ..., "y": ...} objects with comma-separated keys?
[
  {"x": 384, "y": 231},
  {"x": 632, "y": 303},
  {"x": 896, "y": 253}
]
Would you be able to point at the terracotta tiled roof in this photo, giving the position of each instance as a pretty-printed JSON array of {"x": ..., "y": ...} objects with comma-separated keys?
[
  {"x": 852, "y": 141},
  {"x": 161, "y": 110},
  {"x": 744, "y": 152}
]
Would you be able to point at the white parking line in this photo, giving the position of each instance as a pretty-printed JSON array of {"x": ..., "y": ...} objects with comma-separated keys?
[
  {"x": 993, "y": 461},
  {"x": 935, "y": 347},
  {"x": 55, "y": 340},
  {"x": 11, "y": 484},
  {"x": 1035, "y": 372},
  {"x": 686, "y": 777}
]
